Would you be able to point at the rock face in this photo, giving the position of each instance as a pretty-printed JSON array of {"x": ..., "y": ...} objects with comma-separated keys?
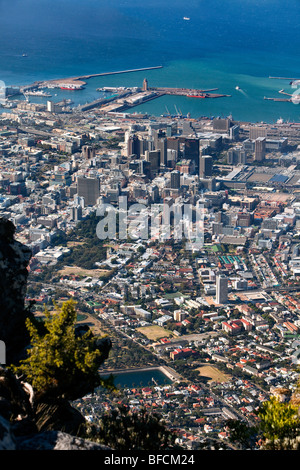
[
  {"x": 7, "y": 439},
  {"x": 14, "y": 260},
  {"x": 57, "y": 440}
]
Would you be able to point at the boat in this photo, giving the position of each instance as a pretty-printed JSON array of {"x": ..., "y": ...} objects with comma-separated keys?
[
  {"x": 186, "y": 18},
  {"x": 71, "y": 87},
  {"x": 197, "y": 96},
  {"x": 37, "y": 93}
]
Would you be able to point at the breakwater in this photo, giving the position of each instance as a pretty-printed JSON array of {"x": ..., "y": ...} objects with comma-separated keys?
[{"x": 79, "y": 79}]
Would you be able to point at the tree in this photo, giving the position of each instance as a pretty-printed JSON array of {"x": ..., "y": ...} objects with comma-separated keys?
[
  {"x": 61, "y": 362},
  {"x": 242, "y": 433},
  {"x": 279, "y": 423},
  {"x": 278, "y": 427}
]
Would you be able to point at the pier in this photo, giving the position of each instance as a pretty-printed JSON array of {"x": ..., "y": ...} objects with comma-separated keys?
[{"x": 79, "y": 80}]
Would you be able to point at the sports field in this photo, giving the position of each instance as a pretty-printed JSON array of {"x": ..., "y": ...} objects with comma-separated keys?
[
  {"x": 154, "y": 332},
  {"x": 213, "y": 374}
]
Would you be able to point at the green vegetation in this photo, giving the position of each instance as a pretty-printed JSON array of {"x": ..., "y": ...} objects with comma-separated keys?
[
  {"x": 278, "y": 427},
  {"x": 59, "y": 361},
  {"x": 91, "y": 251},
  {"x": 279, "y": 423}
]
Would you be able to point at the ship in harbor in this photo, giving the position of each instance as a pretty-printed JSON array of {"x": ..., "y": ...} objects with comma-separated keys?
[
  {"x": 197, "y": 96},
  {"x": 71, "y": 87},
  {"x": 206, "y": 95},
  {"x": 40, "y": 93}
]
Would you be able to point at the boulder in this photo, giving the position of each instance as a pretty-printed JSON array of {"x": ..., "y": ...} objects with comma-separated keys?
[{"x": 57, "y": 440}]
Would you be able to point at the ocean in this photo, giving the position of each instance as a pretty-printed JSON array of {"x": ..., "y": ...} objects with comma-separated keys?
[{"x": 220, "y": 44}]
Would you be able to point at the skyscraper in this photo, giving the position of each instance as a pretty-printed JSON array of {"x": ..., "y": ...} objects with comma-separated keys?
[
  {"x": 133, "y": 146},
  {"x": 221, "y": 289},
  {"x": 162, "y": 146},
  {"x": 205, "y": 166},
  {"x": 260, "y": 149},
  {"x": 154, "y": 158},
  {"x": 175, "y": 179},
  {"x": 89, "y": 189},
  {"x": 191, "y": 149},
  {"x": 88, "y": 151}
]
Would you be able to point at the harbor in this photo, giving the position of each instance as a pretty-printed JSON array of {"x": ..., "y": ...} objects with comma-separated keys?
[{"x": 121, "y": 98}]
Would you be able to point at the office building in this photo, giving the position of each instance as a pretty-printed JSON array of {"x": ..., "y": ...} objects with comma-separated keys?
[
  {"x": 175, "y": 179},
  {"x": 76, "y": 213},
  {"x": 153, "y": 158},
  {"x": 205, "y": 166},
  {"x": 162, "y": 146},
  {"x": 236, "y": 156},
  {"x": 256, "y": 132},
  {"x": 191, "y": 150},
  {"x": 221, "y": 125},
  {"x": 88, "y": 152},
  {"x": 260, "y": 149},
  {"x": 89, "y": 189},
  {"x": 133, "y": 146},
  {"x": 221, "y": 289}
]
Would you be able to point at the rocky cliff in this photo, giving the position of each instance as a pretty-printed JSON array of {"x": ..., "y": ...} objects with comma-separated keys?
[{"x": 14, "y": 260}]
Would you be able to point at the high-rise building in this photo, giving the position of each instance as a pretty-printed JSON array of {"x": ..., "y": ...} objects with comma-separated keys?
[
  {"x": 205, "y": 166},
  {"x": 236, "y": 156},
  {"x": 221, "y": 125},
  {"x": 188, "y": 128},
  {"x": 234, "y": 132},
  {"x": 133, "y": 146},
  {"x": 256, "y": 132},
  {"x": 191, "y": 149},
  {"x": 175, "y": 179},
  {"x": 88, "y": 151},
  {"x": 89, "y": 189},
  {"x": 153, "y": 158},
  {"x": 173, "y": 144},
  {"x": 221, "y": 289},
  {"x": 260, "y": 149},
  {"x": 162, "y": 146},
  {"x": 76, "y": 213}
]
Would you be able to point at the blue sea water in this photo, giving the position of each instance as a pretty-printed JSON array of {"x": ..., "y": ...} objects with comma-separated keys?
[{"x": 224, "y": 44}]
